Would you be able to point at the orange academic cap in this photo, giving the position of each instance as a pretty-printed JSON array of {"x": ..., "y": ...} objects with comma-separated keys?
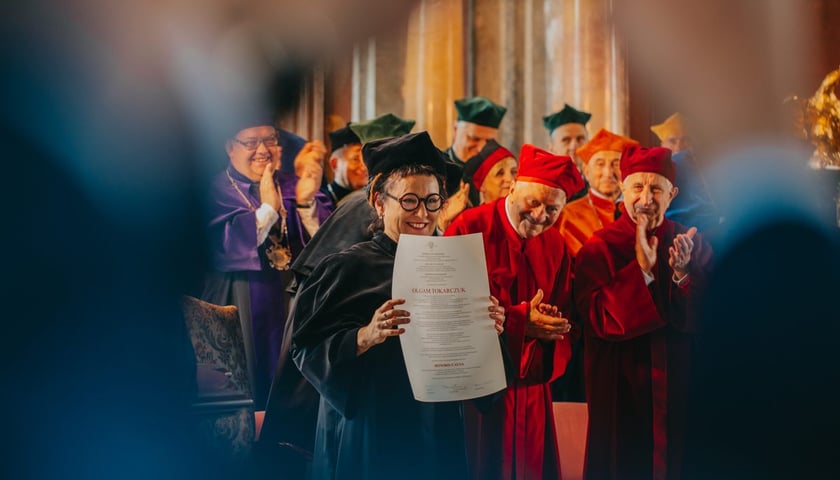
[{"x": 604, "y": 140}]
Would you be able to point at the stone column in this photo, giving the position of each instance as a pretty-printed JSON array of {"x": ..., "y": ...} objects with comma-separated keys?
[
  {"x": 534, "y": 55},
  {"x": 363, "y": 94},
  {"x": 586, "y": 62},
  {"x": 498, "y": 62},
  {"x": 416, "y": 71},
  {"x": 307, "y": 120},
  {"x": 434, "y": 67}
]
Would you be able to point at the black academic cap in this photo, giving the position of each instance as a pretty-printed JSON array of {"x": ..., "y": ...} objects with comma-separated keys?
[
  {"x": 388, "y": 154},
  {"x": 343, "y": 136},
  {"x": 481, "y": 111},
  {"x": 568, "y": 114},
  {"x": 454, "y": 173}
]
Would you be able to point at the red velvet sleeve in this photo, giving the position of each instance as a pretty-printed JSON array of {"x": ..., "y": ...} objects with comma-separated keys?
[
  {"x": 456, "y": 227},
  {"x": 542, "y": 361},
  {"x": 616, "y": 304}
]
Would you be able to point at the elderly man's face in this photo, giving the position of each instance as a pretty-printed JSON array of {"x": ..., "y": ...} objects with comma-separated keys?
[
  {"x": 251, "y": 162},
  {"x": 677, "y": 143},
  {"x": 534, "y": 207},
  {"x": 566, "y": 139},
  {"x": 603, "y": 173},
  {"x": 648, "y": 194},
  {"x": 350, "y": 171},
  {"x": 470, "y": 138}
]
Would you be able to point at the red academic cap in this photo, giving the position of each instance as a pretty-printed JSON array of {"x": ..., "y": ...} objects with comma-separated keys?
[
  {"x": 649, "y": 160},
  {"x": 556, "y": 171}
]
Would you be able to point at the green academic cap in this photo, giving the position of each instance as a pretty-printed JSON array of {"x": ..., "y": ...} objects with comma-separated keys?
[
  {"x": 481, "y": 111},
  {"x": 383, "y": 126},
  {"x": 567, "y": 115}
]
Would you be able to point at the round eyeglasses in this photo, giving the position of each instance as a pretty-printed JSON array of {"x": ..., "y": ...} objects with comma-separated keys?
[
  {"x": 411, "y": 202},
  {"x": 253, "y": 143}
]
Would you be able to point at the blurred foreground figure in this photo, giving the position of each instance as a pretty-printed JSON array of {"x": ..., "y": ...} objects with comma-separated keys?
[
  {"x": 694, "y": 205},
  {"x": 773, "y": 375},
  {"x": 112, "y": 104}
]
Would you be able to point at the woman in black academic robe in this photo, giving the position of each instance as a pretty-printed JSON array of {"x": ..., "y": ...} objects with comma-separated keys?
[{"x": 369, "y": 424}]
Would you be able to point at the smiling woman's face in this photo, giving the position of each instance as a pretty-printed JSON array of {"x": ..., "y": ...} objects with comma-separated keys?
[
  {"x": 395, "y": 219},
  {"x": 498, "y": 181}
]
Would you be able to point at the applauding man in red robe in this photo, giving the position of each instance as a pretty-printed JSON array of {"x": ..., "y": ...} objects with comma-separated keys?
[
  {"x": 530, "y": 274},
  {"x": 637, "y": 282}
]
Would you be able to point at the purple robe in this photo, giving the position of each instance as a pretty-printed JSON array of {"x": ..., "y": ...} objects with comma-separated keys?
[{"x": 242, "y": 275}]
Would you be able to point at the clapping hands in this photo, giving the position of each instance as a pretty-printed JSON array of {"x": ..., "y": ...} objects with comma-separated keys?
[{"x": 545, "y": 321}]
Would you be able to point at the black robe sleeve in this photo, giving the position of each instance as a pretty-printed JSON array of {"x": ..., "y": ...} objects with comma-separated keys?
[{"x": 331, "y": 307}]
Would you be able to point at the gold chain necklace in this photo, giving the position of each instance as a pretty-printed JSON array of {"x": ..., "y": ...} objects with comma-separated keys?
[{"x": 279, "y": 256}]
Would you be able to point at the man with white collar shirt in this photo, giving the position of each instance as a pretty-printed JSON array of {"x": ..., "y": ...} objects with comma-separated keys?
[
  {"x": 350, "y": 172},
  {"x": 599, "y": 207}
]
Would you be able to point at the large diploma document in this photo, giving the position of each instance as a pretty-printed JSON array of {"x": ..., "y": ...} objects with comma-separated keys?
[{"x": 451, "y": 348}]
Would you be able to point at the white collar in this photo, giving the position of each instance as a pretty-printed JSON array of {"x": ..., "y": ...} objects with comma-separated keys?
[{"x": 600, "y": 195}]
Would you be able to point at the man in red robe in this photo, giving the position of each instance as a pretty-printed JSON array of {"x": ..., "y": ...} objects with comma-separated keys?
[
  {"x": 637, "y": 284},
  {"x": 527, "y": 263},
  {"x": 598, "y": 208}
]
